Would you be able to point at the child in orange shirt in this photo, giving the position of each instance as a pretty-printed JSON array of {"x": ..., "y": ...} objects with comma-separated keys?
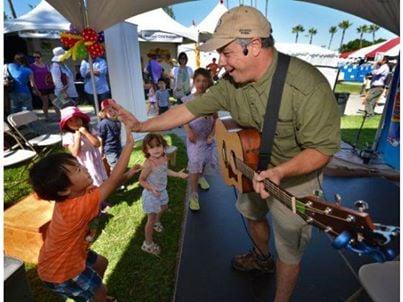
[{"x": 66, "y": 264}]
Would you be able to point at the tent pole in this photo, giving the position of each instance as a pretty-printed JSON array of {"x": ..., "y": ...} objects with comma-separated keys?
[{"x": 94, "y": 90}]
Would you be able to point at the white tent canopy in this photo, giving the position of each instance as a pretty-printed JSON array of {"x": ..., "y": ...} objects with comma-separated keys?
[
  {"x": 158, "y": 26},
  {"x": 42, "y": 18},
  {"x": 313, "y": 54},
  {"x": 105, "y": 13},
  {"x": 209, "y": 23}
]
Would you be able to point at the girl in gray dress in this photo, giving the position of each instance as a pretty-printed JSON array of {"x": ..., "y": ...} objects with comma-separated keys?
[{"x": 153, "y": 179}]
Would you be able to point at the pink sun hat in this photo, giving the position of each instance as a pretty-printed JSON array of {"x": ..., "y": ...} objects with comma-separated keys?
[{"x": 69, "y": 112}]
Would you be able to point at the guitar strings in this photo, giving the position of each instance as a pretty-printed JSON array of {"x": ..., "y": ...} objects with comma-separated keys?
[{"x": 280, "y": 194}]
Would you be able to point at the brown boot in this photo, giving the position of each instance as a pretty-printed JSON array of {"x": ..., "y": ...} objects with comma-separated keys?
[{"x": 253, "y": 262}]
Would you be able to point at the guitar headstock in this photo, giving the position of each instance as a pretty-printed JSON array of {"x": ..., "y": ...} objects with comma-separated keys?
[{"x": 336, "y": 219}]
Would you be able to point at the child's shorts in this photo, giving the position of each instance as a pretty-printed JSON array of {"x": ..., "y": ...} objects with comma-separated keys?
[
  {"x": 151, "y": 203},
  {"x": 83, "y": 286}
]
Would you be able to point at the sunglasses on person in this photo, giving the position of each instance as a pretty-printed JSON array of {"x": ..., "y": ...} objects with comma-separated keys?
[{"x": 37, "y": 57}]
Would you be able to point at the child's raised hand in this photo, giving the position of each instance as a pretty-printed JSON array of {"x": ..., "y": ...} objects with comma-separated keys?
[
  {"x": 82, "y": 130},
  {"x": 127, "y": 118}
]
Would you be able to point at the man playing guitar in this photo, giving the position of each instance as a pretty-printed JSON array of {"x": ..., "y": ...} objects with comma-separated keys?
[{"x": 307, "y": 135}]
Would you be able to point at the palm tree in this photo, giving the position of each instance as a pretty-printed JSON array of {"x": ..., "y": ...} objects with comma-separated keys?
[
  {"x": 312, "y": 31},
  {"x": 332, "y": 31},
  {"x": 363, "y": 29},
  {"x": 344, "y": 25},
  {"x": 296, "y": 30},
  {"x": 372, "y": 29}
]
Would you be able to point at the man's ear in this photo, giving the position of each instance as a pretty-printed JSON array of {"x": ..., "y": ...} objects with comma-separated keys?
[
  {"x": 256, "y": 46},
  {"x": 66, "y": 192}
]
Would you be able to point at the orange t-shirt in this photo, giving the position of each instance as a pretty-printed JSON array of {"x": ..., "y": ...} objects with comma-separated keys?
[{"x": 64, "y": 253}]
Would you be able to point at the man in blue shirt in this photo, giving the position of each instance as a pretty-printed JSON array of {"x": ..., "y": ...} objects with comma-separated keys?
[
  {"x": 20, "y": 95},
  {"x": 101, "y": 84}
]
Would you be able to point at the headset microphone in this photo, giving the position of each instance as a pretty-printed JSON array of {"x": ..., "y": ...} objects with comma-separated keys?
[{"x": 245, "y": 51}]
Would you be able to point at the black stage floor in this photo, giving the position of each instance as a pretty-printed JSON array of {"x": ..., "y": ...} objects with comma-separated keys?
[{"x": 216, "y": 233}]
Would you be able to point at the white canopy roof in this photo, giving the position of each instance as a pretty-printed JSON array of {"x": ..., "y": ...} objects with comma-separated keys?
[
  {"x": 42, "y": 17},
  {"x": 104, "y": 13},
  {"x": 209, "y": 23},
  {"x": 158, "y": 26}
]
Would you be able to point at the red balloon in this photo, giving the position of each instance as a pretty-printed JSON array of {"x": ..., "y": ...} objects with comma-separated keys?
[
  {"x": 89, "y": 35},
  {"x": 96, "y": 50}
]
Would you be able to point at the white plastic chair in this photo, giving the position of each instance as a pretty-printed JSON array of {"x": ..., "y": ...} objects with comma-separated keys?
[{"x": 27, "y": 118}]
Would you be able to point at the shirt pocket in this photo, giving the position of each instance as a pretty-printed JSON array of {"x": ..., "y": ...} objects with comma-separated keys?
[{"x": 284, "y": 139}]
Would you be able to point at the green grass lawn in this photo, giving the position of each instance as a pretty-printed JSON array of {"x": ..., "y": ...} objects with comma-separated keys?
[
  {"x": 350, "y": 87},
  {"x": 132, "y": 275},
  {"x": 350, "y": 126}
]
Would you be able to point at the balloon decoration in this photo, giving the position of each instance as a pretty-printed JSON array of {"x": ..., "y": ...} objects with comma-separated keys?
[{"x": 81, "y": 44}]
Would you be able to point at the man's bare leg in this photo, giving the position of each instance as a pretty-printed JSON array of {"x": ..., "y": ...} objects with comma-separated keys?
[
  {"x": 259, "y": 230},
  {"x": 286, "y": 278}
]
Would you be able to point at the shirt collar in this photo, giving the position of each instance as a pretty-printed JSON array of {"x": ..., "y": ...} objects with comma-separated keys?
[{"x": 262, "y": 84}]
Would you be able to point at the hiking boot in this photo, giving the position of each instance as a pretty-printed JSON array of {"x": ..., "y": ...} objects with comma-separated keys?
[
  {"x": 194, "y": 203},
  {"x": 252, "y": 262},
  {"x": 203, "y": 183}
]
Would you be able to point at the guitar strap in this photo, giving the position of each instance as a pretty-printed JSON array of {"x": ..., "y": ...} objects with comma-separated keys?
[{"x": 272, "y": 110}]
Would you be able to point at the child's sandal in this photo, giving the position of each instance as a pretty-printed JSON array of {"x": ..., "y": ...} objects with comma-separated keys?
[
  {"x": 158, "y": 227},
  {"x": 152, "y": 248}
]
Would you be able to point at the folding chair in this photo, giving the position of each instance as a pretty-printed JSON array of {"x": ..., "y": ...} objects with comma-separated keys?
[
  {"x": 26, "y": 125},
  {"x": 16, "y": 153}
]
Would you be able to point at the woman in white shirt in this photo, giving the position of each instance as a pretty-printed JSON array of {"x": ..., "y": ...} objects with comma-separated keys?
[
  {"x": 62, "y": 77},
  {"x": 182, "y": 76}
]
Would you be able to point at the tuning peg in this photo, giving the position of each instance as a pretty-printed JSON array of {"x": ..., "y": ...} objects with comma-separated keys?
[
  {"x": 361, "y": 205},
  {"x": 337, "y": 199}
]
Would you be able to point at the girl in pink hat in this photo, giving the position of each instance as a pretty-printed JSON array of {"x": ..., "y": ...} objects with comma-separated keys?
[{"x": 82, "y": 142}]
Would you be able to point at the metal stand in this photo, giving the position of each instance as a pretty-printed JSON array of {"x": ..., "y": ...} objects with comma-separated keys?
[{"x": 366, "y": 154}]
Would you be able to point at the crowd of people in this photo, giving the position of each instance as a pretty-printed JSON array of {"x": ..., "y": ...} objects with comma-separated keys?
[{"x": 307, "y": 135}]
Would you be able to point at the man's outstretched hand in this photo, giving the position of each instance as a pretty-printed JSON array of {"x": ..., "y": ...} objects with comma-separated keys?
[{"x": 127, "y": 118}]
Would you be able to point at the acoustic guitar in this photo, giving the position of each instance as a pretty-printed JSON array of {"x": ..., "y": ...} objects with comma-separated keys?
[{"x": 238, "y": 151}]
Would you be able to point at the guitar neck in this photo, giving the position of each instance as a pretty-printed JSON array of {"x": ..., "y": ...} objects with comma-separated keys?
[{"x": 274, "y": 190}]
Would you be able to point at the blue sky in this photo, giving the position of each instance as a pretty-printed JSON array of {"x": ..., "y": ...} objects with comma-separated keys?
[{"x": 283, "y": 15}]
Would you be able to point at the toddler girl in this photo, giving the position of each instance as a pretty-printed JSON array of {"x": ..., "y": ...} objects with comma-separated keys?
[
  {"x": 82, "y": 143},
  {"x": 153, "y": 179},
  {"x": 200, "y": 142}
]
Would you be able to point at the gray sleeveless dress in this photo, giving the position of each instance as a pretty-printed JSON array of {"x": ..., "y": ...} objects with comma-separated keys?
[{"x": 158, "y": 178}]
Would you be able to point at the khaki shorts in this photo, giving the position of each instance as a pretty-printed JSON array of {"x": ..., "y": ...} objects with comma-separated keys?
[{"x": 291, "y": 232}]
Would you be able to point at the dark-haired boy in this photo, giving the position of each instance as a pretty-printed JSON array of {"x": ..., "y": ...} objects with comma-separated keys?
[{"x": 66, "y": 264}]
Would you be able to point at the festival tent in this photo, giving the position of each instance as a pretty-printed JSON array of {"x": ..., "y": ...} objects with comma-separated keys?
[
  {"x": 41, "y": 22},
  {"x": 158, "y": 26},
  {"x": 389, "y": 48},
  {"x": 162, "y": 37},
  {"x": 209, "y": 23}
]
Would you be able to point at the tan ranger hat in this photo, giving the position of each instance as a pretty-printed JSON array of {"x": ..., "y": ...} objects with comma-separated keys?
[{"x": 241, "y": 22}]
